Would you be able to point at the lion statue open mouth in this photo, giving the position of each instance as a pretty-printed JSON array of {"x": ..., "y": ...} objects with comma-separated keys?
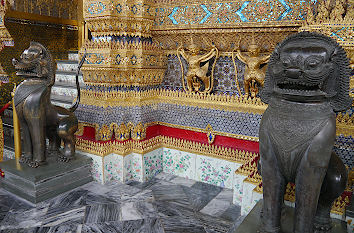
[
  {"x": 39, "y": 119},
  {"x": 307, "y": 81}
]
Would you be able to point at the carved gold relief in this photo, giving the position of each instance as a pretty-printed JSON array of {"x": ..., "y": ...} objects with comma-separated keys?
[
  {"x": 122, "y": 132},
  {"x": 196, "y": 77},
  {"x": 254, "y": 74},
  {"x": 210, "y": 134},
  {"x": 138, "y": 132}
]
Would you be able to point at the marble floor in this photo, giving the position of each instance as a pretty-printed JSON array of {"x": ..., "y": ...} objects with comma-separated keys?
[{"x": 166, "y": 203}]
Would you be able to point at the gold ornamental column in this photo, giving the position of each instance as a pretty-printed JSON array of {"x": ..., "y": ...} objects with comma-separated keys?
[
  {"x": 5, "y": 37},
  {"x": 121, "y": 50}
]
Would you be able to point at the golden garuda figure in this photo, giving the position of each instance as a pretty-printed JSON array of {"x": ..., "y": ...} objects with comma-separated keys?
[
  {"x": 197, "y": 77},
  {"x": 254, "y": 74}
]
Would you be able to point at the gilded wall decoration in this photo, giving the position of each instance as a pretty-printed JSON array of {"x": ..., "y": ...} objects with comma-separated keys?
[
  {"x": 119, "y": 62},
  {"x": 201, "y": 14},
  {"x": 199, "y": 78},
  {"x": 66, "y": 9},
  {"x": 119, "y": 18},
  {"x": 334, "y": 19}
]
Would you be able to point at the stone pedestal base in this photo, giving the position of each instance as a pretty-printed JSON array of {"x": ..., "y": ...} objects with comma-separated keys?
[
  {"x": 252, "y": 222},
  {"x": 47, "y": 181}
]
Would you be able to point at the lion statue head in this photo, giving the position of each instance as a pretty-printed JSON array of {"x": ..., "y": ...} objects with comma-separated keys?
[
  {"x": 308, "y": 67},
  {"x": 35, "y": 62}
]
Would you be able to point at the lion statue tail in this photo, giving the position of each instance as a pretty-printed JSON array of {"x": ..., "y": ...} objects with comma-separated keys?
[{"x": 74, "y": 107}]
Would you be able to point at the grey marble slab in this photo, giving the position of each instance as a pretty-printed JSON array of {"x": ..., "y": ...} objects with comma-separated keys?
[
  {"x": 183, "y": 181},
  {"x": 171, "y": 193},
  {"x": 208, "y": 188},
  {"x": 97, "y": 188},
  {"x": 6, "y": 201},
  {"x": 165, "y": 176},
  {"x": 56, "y": 217},
  {"x": 105, "y": 227},
  {"x": 69, "y": 200},
  {"x": 25, "y": 219},
  {"x": 212, "y": 222},
  {"x": 138, "y": 210},
  {"x": 180, "y": 225},
  {"x": 168, "y": 209},
  {"x": 93, "y": 198},
  {"x": 198, "y": 198},
  {"x": 232, "y": 213},
  {"x": 143, "y": 185},
  {"x": 23, "y": 230},
  {"x": 121, "y": 192},
  {"x": 102, "y": 213},
  {"x": 67, "y": 228},
  {"x": 216, "y": 207},
  {"x": 147, "y": 225}
]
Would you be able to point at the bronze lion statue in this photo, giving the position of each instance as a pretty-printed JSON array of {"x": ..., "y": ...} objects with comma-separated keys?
[
  {"x": 306, "y": 82},
  {"x": 39, "y": 119}
]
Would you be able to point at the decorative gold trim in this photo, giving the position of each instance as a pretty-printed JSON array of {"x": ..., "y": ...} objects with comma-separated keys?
[
  {"x": 40, "y": 18},
  {"x": 151, "y": 97},
  {"x": 143, "y": 147}
]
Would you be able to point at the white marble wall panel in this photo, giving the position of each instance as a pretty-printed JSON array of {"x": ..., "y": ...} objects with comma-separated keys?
[
  {"x": 247, "y": 204},
  {"x": 179, "y": 163},
  {"x": 133, "y": 167},
  {"x": 215, "y": 171},
  {"x": 256, "y": 197},
  {"x": 350, "y": 224},
  {"x": 113, "y": 167}
]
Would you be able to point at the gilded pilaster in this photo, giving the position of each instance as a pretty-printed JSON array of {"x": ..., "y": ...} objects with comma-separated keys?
[{"x": 121, "y": 50}]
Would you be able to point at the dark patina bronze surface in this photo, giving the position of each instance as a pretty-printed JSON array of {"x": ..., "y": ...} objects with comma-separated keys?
[
  {"x": 39, "y": 119},
  {"x": 307, "y": 81}
]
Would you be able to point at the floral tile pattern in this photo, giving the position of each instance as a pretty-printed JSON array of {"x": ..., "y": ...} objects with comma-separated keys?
[
  {"x": 152, "y": 163},
  {"x": 215, "y": 171},
  {"x": 96, "y": 167},
  {"x": 113, "y": 167},
  {"x": 238, "y": 188},
  {"x": 179, "y": 163},
  {"x": 133, "y": 167}
]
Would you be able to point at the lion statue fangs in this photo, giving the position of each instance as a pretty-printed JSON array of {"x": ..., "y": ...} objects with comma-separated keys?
[
  {"x": 307, "y": 80},
  {"x": 39, "y": 119}
]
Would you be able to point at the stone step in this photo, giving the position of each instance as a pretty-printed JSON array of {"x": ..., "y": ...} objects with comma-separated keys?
[
  {"x": 64, "y": 105},
  {"x": 61, "y": 98},
  {"x": 67, "y": 65},
  {"x": 67, "y": 77},
  {"x": 67, "y": 92},
  {"x": 73, "y": 55}
]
